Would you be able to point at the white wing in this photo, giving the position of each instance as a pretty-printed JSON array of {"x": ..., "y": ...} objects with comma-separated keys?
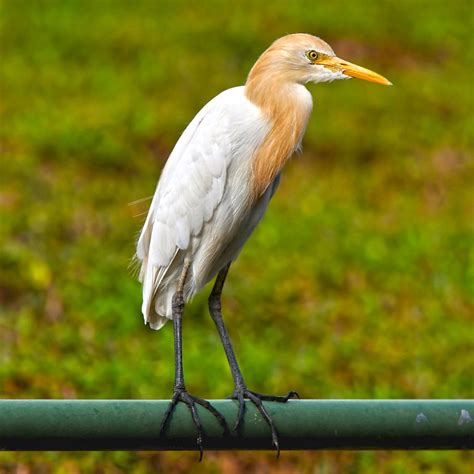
[
  {"x": 189, "y": 190},
  {"x": 191, "y": 187}
]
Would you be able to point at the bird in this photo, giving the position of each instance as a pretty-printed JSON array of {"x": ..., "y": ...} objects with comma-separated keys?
[{"x": 215, "y": 188}]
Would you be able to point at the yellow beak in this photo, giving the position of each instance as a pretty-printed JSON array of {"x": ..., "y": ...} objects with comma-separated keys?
[{"x": 353, "y": 70}]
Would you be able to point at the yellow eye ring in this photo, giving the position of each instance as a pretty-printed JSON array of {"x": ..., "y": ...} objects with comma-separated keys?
[{"x": 312, "y": 55}]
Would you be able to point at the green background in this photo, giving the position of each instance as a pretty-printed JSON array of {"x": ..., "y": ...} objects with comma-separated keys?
[{"x": 357, "y": 284}]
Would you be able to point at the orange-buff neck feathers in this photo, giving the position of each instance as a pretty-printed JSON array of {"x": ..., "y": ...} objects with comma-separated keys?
[{"x": 274, "y": 88}]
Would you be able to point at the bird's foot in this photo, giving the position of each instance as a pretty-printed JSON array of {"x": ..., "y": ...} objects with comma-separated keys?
[
  {"x": 181, "y": 395},
  {"x": 242, "y": 393}
]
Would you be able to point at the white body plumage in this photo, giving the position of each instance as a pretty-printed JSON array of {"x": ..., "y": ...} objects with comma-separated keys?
[{"x": 202, "y": 209}]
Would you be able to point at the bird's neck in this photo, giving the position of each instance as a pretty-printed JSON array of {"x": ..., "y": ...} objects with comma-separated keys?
[{"x": 287, "y": 106}]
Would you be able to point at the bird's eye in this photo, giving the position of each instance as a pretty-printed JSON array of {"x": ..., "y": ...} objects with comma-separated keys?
[{"x": 312, "y": 55}]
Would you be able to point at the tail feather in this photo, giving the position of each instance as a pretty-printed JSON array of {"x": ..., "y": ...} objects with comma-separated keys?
[{"x": 157, "y": 292}]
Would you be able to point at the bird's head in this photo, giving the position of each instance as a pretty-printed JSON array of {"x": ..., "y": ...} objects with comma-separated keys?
[{"x": 305, "y": 58}]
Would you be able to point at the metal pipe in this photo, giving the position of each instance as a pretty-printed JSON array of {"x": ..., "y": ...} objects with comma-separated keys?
[{"x": 302, "y": 424}]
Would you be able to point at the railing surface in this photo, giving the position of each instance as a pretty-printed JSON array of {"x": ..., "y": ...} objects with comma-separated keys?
[{"x": 301, "y": 424}]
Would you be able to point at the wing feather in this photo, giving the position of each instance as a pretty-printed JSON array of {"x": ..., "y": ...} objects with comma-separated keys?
[{"x": 190, "y": 190}]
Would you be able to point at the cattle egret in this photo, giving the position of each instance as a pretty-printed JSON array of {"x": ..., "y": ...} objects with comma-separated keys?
[{"x": 215, "y": 189}]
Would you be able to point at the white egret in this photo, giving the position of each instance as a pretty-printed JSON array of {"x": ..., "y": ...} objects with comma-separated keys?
[{"x": 215, "y": 188}]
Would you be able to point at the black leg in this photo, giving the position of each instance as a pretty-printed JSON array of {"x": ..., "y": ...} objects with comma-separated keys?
[
  {"x": 240, "y": 391},
  {"x": 180, "y": 393}
]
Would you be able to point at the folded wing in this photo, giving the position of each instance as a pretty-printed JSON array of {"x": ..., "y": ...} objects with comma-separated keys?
[{"x": 190, "y": 189}]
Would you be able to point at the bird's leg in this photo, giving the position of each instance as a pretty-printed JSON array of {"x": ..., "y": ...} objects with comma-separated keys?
[
  {"x": 241, "y": 391},
  {"x": 180, "y": 393}
]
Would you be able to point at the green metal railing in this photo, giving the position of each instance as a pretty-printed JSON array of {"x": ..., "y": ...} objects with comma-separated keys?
[{"x": 302, "y": 424}]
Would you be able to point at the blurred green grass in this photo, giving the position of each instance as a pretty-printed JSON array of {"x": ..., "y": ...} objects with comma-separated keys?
[{"x": 359, "y": 282}]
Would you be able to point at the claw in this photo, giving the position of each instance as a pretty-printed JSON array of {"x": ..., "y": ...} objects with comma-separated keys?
[
  {"x": 169, "y": 410},
  {"x": 256, "y": 398},
  {"x": 240, "y": 415},
  {"x": 191, "y": 401},
  {"x": 275, "y": 398}
]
